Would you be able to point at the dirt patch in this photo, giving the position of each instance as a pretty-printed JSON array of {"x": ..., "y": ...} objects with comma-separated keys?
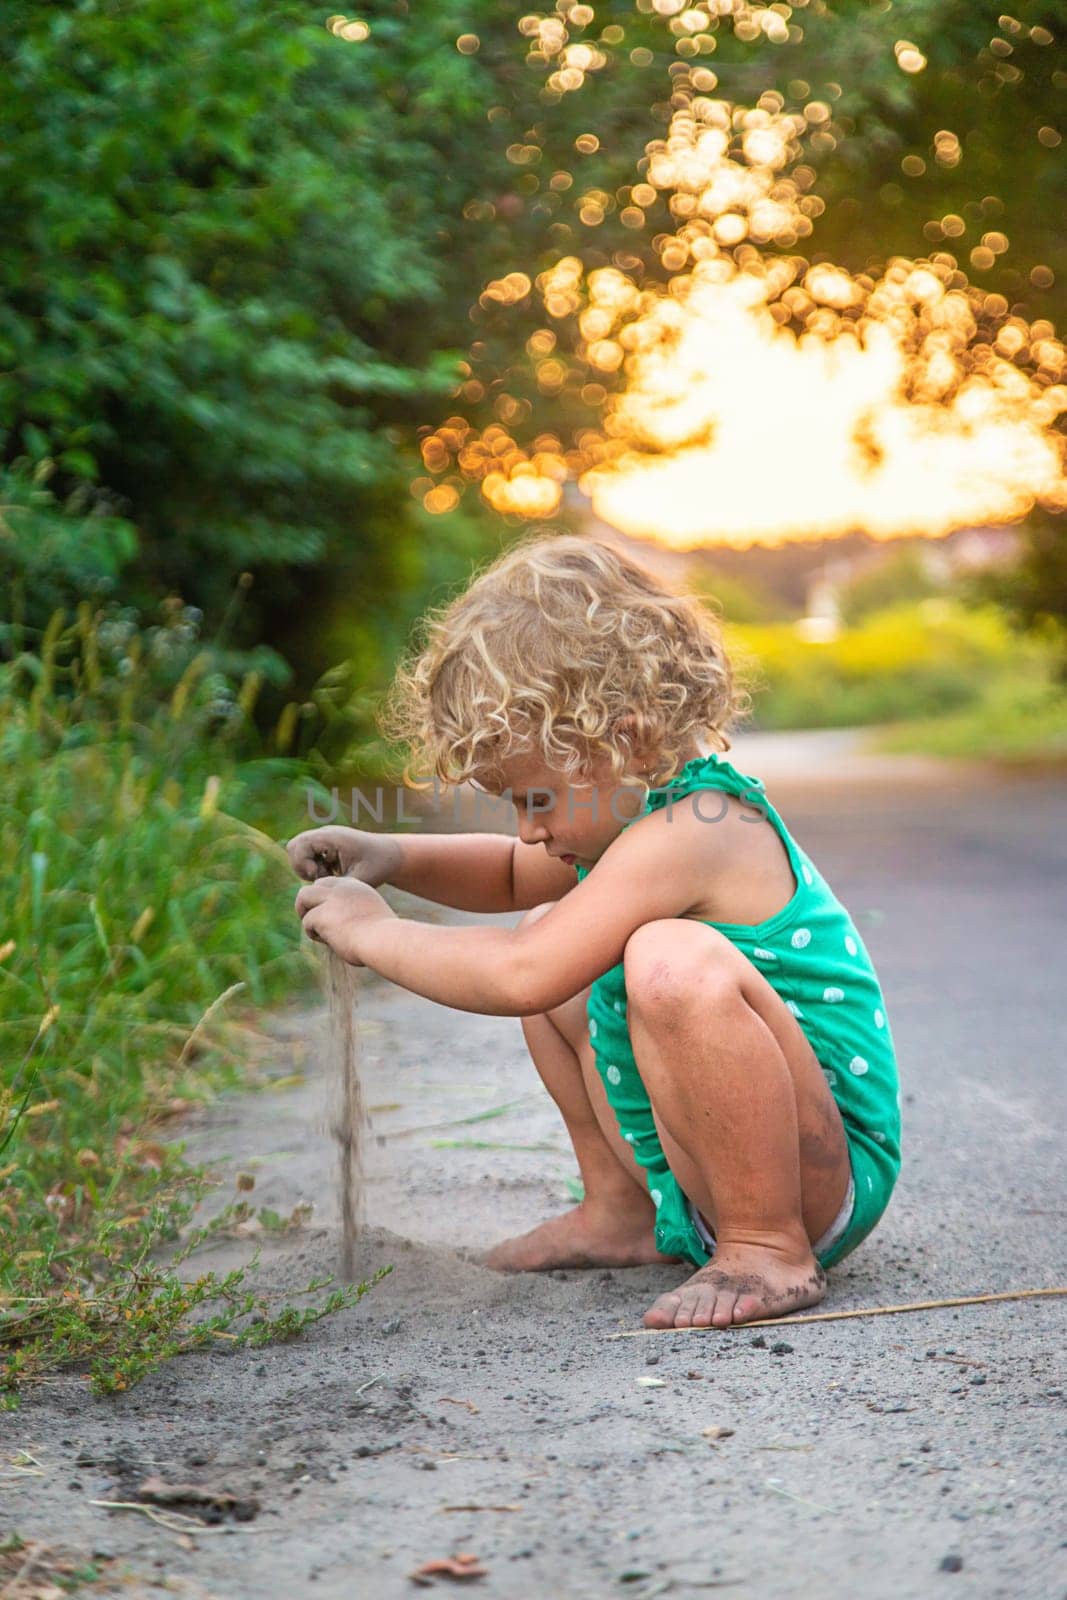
[{"x": 455, "y": 1411}]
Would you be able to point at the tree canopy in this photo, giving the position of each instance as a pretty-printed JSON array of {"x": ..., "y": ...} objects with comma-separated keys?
[{"x": 245, "y": 245}]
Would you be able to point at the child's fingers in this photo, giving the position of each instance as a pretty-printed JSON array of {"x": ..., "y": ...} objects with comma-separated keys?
[
  {"x": 307, "y": 898},
  {"x": 311, "y": 860}
]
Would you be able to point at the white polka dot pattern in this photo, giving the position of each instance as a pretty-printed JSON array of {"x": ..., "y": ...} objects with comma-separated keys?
[{"x": 817, "y": 954}]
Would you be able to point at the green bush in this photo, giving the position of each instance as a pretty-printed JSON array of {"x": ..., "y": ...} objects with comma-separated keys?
[
  {"x": 1020, "y": 718},
  {"x": 224, "y": 294},
  {"x": 910, "y": 660}
]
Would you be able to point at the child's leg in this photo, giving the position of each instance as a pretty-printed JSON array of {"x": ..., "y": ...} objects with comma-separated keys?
[
  {"x": 613, "y": 1224},
  {"x": 747, "y": 1122}
]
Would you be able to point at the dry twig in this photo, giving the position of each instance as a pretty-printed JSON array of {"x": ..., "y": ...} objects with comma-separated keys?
[{"x": 860, "y": 1311}]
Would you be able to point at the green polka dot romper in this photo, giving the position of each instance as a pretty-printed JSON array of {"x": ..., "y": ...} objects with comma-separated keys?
[{"x": 811, "y": 953}]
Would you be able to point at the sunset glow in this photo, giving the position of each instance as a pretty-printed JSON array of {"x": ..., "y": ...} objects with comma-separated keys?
[{"x": 751, "y": 396}]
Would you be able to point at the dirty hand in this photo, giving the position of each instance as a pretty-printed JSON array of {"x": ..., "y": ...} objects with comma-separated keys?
[
  {"x": 343, "y": 852},
  {"x": 334, "y": 910}
]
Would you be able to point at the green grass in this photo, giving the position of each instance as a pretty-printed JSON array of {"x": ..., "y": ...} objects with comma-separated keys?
[{"x": 145, "y": 918}]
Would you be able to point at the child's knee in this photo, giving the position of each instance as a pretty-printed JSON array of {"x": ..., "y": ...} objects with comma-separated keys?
[{"x": 667, "y": 969}]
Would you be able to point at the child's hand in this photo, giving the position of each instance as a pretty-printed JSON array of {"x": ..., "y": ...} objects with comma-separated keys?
[
  {"x": 334, "y": 910},
  {"x": 338, "y": 852}
]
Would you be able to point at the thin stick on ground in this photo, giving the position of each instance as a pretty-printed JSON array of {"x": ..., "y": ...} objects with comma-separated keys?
[
  {"x": 346, "y": 1112},
  {"x": 860, "y": 1311}
]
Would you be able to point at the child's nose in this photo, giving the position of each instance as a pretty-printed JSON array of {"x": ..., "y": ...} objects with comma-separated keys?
[{"x": 532, "y": 829}]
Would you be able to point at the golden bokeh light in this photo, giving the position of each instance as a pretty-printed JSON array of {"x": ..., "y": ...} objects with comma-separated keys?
[
  {"x": 909, "y": 57},
  {"x": 350, "y": 28},
  {"x": 745, "y": 393}
]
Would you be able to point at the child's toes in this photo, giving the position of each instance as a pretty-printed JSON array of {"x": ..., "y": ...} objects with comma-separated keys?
[
  {"x": 725, "y": 1301},
  {"x": 688, "y": 1312},
  {"x": 662, "y": 1314},
  {"x": 747, "y": 1308}
]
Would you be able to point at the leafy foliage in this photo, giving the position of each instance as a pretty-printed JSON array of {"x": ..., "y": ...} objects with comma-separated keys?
[
  {"x": 241, "y": 253},
  {"x": 225, "y": 255}
]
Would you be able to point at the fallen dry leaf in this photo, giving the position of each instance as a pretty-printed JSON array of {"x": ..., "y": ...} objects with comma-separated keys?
[
  {"x": 450, "y": 1400},
  {"x": 464, "y": 1564},
  {"x": 715, "y": 1432}
]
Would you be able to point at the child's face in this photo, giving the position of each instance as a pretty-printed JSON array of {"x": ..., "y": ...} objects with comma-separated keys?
[{"x": 574, "y": 823}]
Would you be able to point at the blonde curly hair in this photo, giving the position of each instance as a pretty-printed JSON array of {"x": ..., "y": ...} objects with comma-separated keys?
[{"x": 548, "y": 648}]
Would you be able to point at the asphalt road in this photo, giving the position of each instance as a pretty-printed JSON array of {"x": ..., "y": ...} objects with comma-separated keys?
[{"x": 454, "y": 1410}]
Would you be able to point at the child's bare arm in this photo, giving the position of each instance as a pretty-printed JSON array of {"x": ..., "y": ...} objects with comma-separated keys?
[
  {"x": 479, "y": 871},
  {"x": 470, "y": 871},
  {"x": 654, "y": 870}
]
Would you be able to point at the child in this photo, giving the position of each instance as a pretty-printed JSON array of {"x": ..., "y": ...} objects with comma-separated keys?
[{"x": 697, "y": 1001}]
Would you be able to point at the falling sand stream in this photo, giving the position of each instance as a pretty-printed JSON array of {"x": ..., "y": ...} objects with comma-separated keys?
[{"x": 344, "y": 1100}]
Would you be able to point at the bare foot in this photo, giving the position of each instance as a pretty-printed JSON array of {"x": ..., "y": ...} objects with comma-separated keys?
[
  {"x": 580, "y": 1238},
  {"x": 739, "y": 1284}
]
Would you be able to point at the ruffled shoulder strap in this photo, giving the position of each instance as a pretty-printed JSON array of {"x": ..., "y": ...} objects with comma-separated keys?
[{"x": 706, "y": 772}]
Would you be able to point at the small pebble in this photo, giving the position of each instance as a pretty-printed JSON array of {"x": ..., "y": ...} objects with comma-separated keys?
[
  {"x": 951, "y": 1563},
  {"x": 759, "y": 1342},
  {"x": 979, "y": 1378},
  {"x": 652, "y": 1361},
  {"x": 781, "y": 1349}
]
